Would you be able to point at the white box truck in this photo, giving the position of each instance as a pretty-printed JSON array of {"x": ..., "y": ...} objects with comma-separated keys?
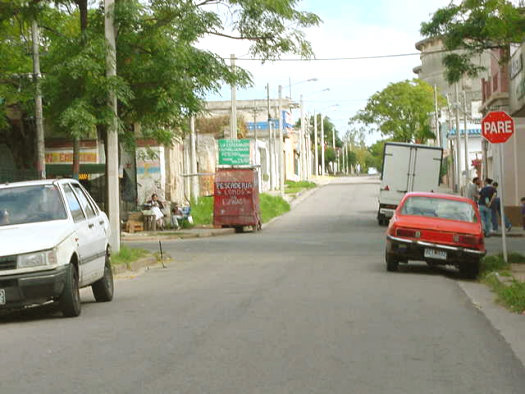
[{"x": 406, "y": 168}]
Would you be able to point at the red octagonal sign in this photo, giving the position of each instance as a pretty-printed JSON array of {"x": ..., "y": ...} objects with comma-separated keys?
[{"x": 497, "y": 127}]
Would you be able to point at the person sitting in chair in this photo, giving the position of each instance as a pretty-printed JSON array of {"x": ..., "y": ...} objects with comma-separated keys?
[
  {"x": 176, "y": 215},
  {"x": 156, "y": 205}
]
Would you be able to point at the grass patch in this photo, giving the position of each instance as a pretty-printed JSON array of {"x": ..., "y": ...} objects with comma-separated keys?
[
  {"x": 202, "y": 211},
  {"x": 272, "y": 206},
  {"x": 496, "y": 274},
  {"x": 292, "y": 187},
  {"x": 494, "y": 263},
  {"x": 128, "y": 255}
]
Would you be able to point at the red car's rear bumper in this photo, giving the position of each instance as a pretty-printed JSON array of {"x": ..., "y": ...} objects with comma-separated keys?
[{"x": 407, "y": 249}]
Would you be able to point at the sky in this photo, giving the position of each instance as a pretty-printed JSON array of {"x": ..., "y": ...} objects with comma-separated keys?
[{"x": 350, "y": 29}]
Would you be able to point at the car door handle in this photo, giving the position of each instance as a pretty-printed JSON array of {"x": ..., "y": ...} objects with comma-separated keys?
[{"x": 90, "y": 225}]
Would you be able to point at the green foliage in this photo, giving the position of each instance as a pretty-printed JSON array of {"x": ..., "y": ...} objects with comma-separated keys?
[
  {"x": 272, "y": 206},
  {"x": 474, "y": 26},
  {"x": 163, "y": 77},
  {"x": 493, "y": 263},
  {"x": 293, "y": 187},
  {"x": 328, "y": 128},
  {"x": 401, "y": 111},
  {"x": 127, "y": 255},
  {"x": 376, "y": 155},
  {"x": 202, "y": 211}
]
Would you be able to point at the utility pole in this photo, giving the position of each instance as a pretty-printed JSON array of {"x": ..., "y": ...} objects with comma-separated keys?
[
  {"x": 316, "y": 150},
  {"x": 280, "y": 145},
  {"x": 270, "y": 137},
  {"x": 322, "y": 145},
  {"x": 40, "y": 145},
  {"x": 112, "y": 131},
  {"x": 302, "y": 145},
  {"x": 193, "y": 162},
  {"x": 436, "y": 118},
  {"x": 233, "y": 121},
  {"x": 458, "y": 142},
  {"x": 467, "y": 165}
]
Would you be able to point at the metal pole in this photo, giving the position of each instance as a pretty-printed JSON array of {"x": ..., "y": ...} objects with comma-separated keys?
[
  {"x": 270, "y": 137},
  {"x": 436, "y": 118},
  {"x": 233, "y": 121},
  {"x": 458, "y": 142},
  {"x": 280, "y": 145},
  {"x": 502, "y": 210},
  {"x": 316, "y": 145},
  {"x": 322, "y": 145},
  {"x": 112, "y": 135},
  {"x": 467, "y": 164},
  {"x": 301, "y": 144}
]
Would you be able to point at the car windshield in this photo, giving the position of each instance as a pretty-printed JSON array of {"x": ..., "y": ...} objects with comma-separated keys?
[
  {"x": 439, "y": 208},
  {"x": 29, "y": 204}
]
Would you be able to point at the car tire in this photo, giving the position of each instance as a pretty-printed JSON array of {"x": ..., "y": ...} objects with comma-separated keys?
[
  {"x": 70, "y": 299},
  {"x": 239, "y": 229},
  {"x": 103, "y": 288},
  {"x": 470, "y": 270},
  {"x": 391, "y": 262}
]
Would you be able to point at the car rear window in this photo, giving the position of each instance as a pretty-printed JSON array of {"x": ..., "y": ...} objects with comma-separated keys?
[
  {"x": 30, "y": 204},
  {"x": 439, "y": 208}
]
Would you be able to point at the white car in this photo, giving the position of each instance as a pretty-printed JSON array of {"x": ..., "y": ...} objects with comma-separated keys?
[{"x": 54, "y": 239}]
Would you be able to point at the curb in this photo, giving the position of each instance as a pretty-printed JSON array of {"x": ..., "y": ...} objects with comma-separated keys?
[
  {"x": 134, "y": 266},
  {"x": 182, "y": 235},
  {"x": 510, "y": 326}
]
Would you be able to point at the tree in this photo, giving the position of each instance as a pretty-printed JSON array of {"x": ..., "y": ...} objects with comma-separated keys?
[
  {"x": 401, "y": 111},
  {"x": 376, "y": 155},
  {"x": 474, "y": 26},
  {"x": 163, "y": 78}
]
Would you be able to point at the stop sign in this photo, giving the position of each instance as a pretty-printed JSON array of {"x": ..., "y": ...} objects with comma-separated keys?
[{"x": 497, "y": 127}]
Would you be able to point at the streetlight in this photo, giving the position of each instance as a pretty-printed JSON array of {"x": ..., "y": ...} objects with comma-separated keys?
[{"x": 290, "y": 84}]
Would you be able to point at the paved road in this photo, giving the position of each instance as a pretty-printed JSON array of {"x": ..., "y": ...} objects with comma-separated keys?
[{"x": 305, "y": 306}]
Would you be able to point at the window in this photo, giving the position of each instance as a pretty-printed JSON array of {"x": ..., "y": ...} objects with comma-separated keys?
[
  {"x": 74, "y": 205},
  {"x": 440, "y": 208},
  {"x": 30, "y": 204},
  {"x": 84, "y": 201}
]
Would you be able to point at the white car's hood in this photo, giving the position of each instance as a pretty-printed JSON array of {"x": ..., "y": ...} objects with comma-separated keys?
[{"x": 31, "y": 237}]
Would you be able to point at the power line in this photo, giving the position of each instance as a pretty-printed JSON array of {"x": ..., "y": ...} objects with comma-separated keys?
[{"x": 328, "y": 59}]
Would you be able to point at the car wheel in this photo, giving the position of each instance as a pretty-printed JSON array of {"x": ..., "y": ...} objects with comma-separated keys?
[
  {"x": 103, "y": 288},
  {"x": 70, "y": 298},
  {"x": 391, "y": 262},
  {"x": 470, "y": 270},
  {"x": 239, "y": 229}
]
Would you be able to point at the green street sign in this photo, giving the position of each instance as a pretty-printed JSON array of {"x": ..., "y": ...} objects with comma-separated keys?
[{"x": 234, "y": 152}]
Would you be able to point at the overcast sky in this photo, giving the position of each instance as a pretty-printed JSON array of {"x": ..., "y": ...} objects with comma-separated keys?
[{"x": 350, "y": 28}]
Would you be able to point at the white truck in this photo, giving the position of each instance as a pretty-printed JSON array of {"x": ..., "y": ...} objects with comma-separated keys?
[{"x": 406, "y": 168}]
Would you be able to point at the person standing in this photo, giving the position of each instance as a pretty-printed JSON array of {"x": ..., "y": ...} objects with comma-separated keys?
[
  {"x": 496, "y": 209},
  {"x": 473, "y": 189},
  {"x": 486, "y": 196}
]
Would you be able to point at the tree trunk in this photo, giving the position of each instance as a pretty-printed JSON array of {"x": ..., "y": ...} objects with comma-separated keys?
[
  {"x": 40, "y": 159},
  {"x": 83, "y": 10}
]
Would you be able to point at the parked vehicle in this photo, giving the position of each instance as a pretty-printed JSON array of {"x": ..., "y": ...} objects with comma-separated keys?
[
  {"x": 236, "y": 199},
  {"x": 440, "y": 229},
  {"x": 406, "y": 168},
  {"x": 54, "y": 239}
]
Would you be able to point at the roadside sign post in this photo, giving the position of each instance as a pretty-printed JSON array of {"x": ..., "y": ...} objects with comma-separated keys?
[{"x": 497, "y": 127}]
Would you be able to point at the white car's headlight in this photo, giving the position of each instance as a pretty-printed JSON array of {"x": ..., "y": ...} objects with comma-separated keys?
[{"x": 37, "y": 259}]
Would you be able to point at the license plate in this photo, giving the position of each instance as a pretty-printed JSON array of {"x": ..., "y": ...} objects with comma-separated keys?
[
  {"x": 2, "y": 297},
  {"x": 435, "y": 254}
]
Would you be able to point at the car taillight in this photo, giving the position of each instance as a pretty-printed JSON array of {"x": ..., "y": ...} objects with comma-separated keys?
[
  {"x": 404, "y": 232},
  {"x": 469, "y": 240},
  {"x": 386, "y": 188}
]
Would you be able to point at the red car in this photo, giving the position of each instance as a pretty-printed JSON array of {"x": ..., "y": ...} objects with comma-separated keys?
[{"x": 440, "y": 229}]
